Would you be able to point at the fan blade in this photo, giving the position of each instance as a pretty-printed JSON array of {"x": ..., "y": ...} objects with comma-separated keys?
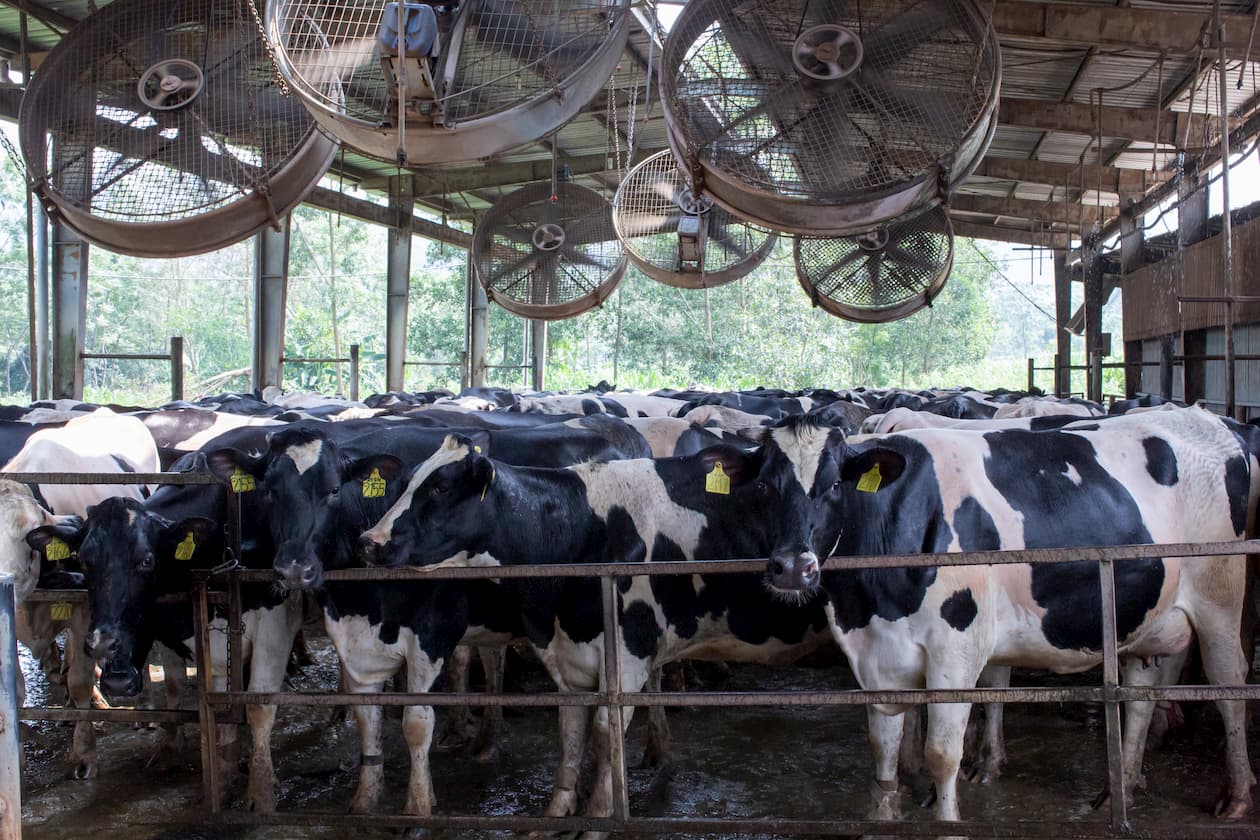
[
  {"x": 596, "y": 226},
  {"x": 721, "y": 235},
  {"x": 912, "y": 260},
  {"x": 577, "y": 256},
  {"x": 873, "y": 265},
  {"x": 650, "y": 224},
  {"x": 511, "y": 269},
  {"x": 330, "y": 66},
  {"x": 752, "y": 45},
  {"x": 938, "y": 117},
  {"x": 579, "y": 278},
  {"x": 845, "y": 261},
  {"x": 903, "y": 32}
]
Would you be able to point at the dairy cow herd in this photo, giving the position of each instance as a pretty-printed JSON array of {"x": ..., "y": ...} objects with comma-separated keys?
[{"x": 495, "y": 478}]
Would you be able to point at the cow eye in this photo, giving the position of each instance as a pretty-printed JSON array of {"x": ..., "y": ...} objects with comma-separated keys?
[
  {"x": 762, "y": 487},
  {"x": 146, "y": 563},
  {"x": 836, "y": 485}
]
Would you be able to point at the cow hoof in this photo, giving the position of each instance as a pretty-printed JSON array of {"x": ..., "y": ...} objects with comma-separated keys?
[
  {"x": 451, "y": 741},
  {"x": 488, "y": 754},
  {"x": 1232, "y": 807},
  {"x": 416, "y": 833},
  {"x": 261, "y": 801},
  {"x": 85, "y": 769},
  {"x": 1101, "y": 799}
]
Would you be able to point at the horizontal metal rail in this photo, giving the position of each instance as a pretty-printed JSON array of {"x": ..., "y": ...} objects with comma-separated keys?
[
  {"x": 114, "y": 478},
  {"x": 79, "y": 596},
  {"x": 111, "y": 715},
  {"x": 830, "y": 697},
  {"x": 1080, "y": 830},
  {"x": 867, "y": 561}
]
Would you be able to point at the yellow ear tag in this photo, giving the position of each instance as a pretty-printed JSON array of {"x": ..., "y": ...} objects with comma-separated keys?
[
  {"x": 56, "y": 549},
  {"x": 374, "y": 485},
  {"x": 242, "y": 482},
  {"x": 487, "y": 487},
  {"x": 869, "y": 482},
  {"x": 717, "y": 481},
  {"x": 477, "y": 449},
  {"x": 186, "y": 548},
  {"x": 61, "y": 610}
]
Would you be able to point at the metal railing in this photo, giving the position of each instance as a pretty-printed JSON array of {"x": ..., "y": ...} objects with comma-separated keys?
[
  {"x": 352, "y": 360},
  {"x": 10, "y": 749},
  {"x": 175, "y": 356},
  {"x": 1110, "y": 693}
]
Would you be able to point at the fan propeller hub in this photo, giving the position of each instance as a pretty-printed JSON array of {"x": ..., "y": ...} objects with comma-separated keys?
[
  {"x": 873, "y": 240},
  {"x": 827, "y": 52},
  {"x": 692, "y": 204},
  {"x": 170, "y": 84},
  {"x": 548, "y": 236}
]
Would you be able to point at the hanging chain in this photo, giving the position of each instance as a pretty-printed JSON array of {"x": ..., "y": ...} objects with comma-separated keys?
[
  {"x": 281, "y": 84},
  {"x": 613, "y": 136},
  {"x": 545, "y": 61},
  {"x": 17, "y": 159}
]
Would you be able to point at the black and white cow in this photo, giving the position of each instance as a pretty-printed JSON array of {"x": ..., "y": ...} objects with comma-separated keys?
[
  {"x": 323, "y": 492},
  {"x": 133, "y": 552},
  {"x": 462, "y": 508},
  {"x": 1173, "y": 476}
]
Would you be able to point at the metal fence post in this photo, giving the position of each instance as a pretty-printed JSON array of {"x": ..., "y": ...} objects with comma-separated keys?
[
  {"x": 10, "y": 750},
  {"x": 1032, "y": 374},
  {"x": 612, "y": 690},
  {"x": 177, "y": 368},
  {"x": 354, "y": 372},
  {"x": 1111, "y": 680}
]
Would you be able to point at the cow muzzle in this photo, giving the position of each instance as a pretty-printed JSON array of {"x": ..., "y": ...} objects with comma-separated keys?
[
  {"x": 121, "y": 682},
  {"x": 793, "y": 570},
  {"x": 371, "y": 552},
  {"x": 298, "y": 574}
]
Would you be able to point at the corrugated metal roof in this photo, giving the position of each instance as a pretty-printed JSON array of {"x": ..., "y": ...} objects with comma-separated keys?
[{"x": 1033, "y": 68}]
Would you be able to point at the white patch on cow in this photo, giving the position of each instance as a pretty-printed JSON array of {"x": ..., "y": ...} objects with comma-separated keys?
[
  {"x": 804, "y": 449},
  {"x": 305, "y": 455},
  {"x": 131, "y": 518},
  {"x": 635, "y": 487},
  {"x": 1072, "y": 475},
  {"x": 449, "y": 452},
  {"x": 661, "y": 433},
  {"x": 463, "y": 560},
  {"x": 222, "y": 423},
  {"x": 20, "y": 514}
]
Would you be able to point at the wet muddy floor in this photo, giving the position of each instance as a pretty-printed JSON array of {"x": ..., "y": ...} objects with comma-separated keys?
[{"x": 810, "y": 763}]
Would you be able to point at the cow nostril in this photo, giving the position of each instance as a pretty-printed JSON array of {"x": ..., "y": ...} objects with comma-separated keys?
[{"x": 776, "y": 567}]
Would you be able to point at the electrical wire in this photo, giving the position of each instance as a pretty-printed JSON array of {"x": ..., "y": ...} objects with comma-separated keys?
[{"x": 1010, "y": 282}]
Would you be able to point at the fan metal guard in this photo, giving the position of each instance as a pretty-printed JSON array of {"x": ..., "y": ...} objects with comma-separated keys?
[
  {"x": 548, "y": 259},
  {"x": 155, "y": 129},
  {"x": 653, "y": 199},
  {"x": 509, "y": 72},
  {"x": 881, "y": 275},
  {"x": 825, "y": 118}
]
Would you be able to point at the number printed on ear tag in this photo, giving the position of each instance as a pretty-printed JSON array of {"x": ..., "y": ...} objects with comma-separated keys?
[
  {"x": 374, "y": 485},
  {"x": 242, "y": 482},
  {"x": 61, "y": 610},
  {"x": 57, "y": 549}
]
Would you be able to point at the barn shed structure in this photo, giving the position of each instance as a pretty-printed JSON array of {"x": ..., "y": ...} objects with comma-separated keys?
[{"x": 1109, "y": 115}]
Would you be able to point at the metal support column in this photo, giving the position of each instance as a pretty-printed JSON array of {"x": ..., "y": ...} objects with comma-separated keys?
[
  {"x": 1227, "y": 226},
  {"x": 69, "y": 312},
  {"x": 478, "y": 328},
  {"x": 1062, "y": 314},
  {"x": 1091, "y": 273},
  {"x": 43, "y": 342},
  {"x": 398, "y": 283},
  {"x": 271, "y": 287},
  {"x": 538, "y": 354},
  {"x": 10, "y": 750},
  {"x": 1132, "y": 258}
]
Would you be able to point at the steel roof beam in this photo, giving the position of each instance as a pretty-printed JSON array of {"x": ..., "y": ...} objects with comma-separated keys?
[
  {"x": 978, "y": 230},
  {"x": 1151, "y": 30},
  {"x": 358, "y": 208},
  {"x": 1118, "y": 123},
  {"x": 1022, "y": 208},
  {"x": 1113, "y": 179},
  {"x": 48, "y": 17}
]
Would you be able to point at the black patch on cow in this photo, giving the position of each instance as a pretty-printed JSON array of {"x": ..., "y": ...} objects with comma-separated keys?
[
  {"x": 975, "y": 528},
  {"x": 1030, "y": 470},
  {"x": 1238, "y": 486},
  {"x": 1161, "y": 461},
  {"x": 639, "y": 630},
  {"x": 591, "y": 407},
  {"x": 891, "y": 594},
  {"x": 959, "y": 610}
]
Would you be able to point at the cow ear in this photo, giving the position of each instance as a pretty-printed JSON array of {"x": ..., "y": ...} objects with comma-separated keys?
[
  {"x": 478, "y": 442},
  {"x": 873, "y": 469},
  {"x": 738, "y": 465},
  {"x": 231, "y": 463},
  {"x": 187, "y": 536},
  {"x": 385, "y": 467},
  {"x": 754, "y": 434},
  {"x": 69, "y": 534}
]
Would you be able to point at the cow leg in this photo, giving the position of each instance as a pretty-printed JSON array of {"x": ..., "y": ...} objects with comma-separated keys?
[
  {"x": 490, "y": 728},
  {"x": 942, "y": 752},
  {"x": 422, "y": 672},
  {"x": 992, "y": 752},
  {"x": 170, "y": 735},
  {"x": 574, "y": 725},
  {"x": 371, "y": 760},
  {"x": 1137, "y": 719},
  {"x": 1224, "y": 664},
  {"x": 81, "y": 684},
  {"x": 634, "y": 675},
  {"x": 884, "y": 731},
  {"x": 656, "y": 749},
  {"x": 271, "y": 642},
  {"x": 458, "y": 720}
]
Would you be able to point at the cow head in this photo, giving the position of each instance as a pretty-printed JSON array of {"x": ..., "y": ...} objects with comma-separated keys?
[
  {"x": 432, "y": 521},
  {"x": 20, "y": 514},
  {"x": 125, "y": 551},
  {"x": 816, "y": 484},
  {"x": 299, "y": 484}
]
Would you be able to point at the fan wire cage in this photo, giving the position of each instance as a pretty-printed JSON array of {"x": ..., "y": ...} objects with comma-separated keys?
[
  {"x": 548, "y": 252},
  {"x": 882, "y": 275}
]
